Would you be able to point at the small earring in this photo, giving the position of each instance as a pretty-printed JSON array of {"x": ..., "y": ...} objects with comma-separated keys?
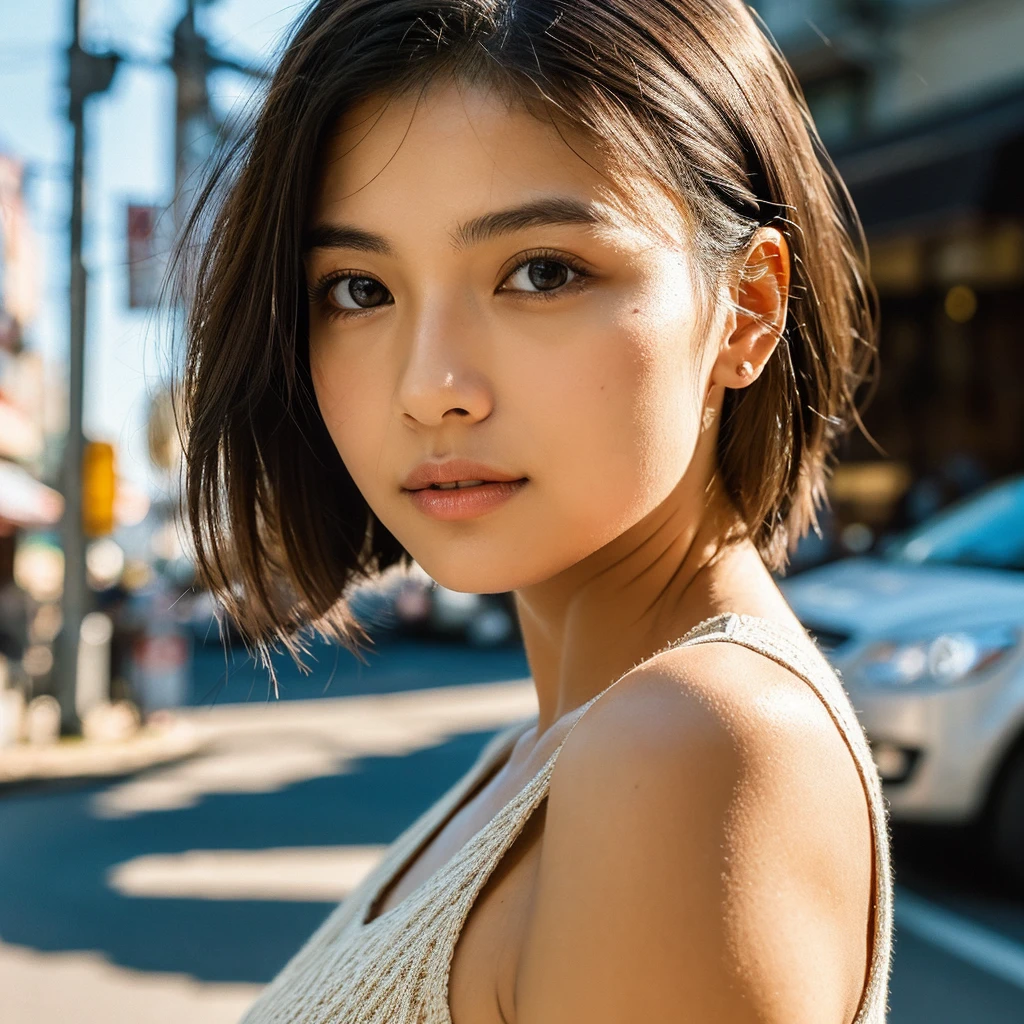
[{"x": 745, "y": 370}]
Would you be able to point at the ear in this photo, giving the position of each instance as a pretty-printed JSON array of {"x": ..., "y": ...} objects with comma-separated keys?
[{"x": 759, "y": 295}]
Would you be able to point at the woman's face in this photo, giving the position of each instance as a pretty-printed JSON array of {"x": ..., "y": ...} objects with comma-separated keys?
[{"x": 474, "y": 295}]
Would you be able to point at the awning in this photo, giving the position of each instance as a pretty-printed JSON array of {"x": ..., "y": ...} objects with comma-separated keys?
[
  {"x": 964, "y": 162},
  {"x": 20, "y": 437},
  {"x": 24, "y": 501}
]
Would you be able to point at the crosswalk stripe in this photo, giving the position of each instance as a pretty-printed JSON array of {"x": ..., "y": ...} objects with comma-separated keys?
[{"x": 982, "y": 947}]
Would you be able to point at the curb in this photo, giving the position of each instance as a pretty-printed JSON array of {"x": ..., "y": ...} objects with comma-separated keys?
[{"x": 80, "y": 760}]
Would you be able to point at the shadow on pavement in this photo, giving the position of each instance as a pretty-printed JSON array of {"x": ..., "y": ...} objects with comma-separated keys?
[
  {"x": 55, "y": 855},
  {"x": 230, "y": 676}
]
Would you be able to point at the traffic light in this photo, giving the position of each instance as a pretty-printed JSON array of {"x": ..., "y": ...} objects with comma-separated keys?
[{"x": 99, "y": 486}]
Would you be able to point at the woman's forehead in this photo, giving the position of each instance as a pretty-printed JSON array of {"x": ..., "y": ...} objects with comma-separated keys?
[
  {"x": 469, "y": 131},
  {"x": 471, "y": 146}
]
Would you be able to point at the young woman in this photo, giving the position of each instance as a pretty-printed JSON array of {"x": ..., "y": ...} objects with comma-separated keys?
[{"x": 561, "y": 297}]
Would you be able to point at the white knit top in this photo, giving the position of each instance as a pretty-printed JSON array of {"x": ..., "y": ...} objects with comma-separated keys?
[{"x": 394, "y": 969}]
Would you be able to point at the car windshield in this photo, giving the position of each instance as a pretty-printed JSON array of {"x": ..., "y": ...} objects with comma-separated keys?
[{"x": 985, "y": 530}]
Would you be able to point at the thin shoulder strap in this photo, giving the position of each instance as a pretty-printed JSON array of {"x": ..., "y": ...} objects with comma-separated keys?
[
  {"x": 796, "y": 651},
  {"x": 701, "y": 630},
  {"x": 790, "y": 648},
  {"x": 799, "y": 653}
]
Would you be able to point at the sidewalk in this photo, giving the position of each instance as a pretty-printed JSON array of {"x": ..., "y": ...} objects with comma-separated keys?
[
  {"x": 91, "y": 990},
  {"x": 75, "y": 758},
  {"x": 321, "y": 735},
  {"x": 173, "y": 894}
]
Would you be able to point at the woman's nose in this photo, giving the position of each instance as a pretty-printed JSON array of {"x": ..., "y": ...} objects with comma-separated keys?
[{"x": 444, "y": 375}]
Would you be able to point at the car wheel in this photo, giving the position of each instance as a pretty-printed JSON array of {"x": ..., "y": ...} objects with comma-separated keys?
[{"x": 1007, "y": 835}]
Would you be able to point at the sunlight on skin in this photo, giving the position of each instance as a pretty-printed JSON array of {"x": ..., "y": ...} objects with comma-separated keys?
[
  {"x": 552, "y": 387},
  {"x": 602, "y": 392}
]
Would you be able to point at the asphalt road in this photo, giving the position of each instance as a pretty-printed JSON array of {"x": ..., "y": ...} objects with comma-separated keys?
[
  {"x": 229, "y": 676},
  {"x": 173, "y": 896}
]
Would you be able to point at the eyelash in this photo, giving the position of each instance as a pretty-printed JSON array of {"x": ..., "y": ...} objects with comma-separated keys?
[{"x": 321, "y": 288}]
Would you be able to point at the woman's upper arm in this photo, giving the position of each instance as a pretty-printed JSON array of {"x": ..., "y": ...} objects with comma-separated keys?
[{"x": 705, "y": 858}]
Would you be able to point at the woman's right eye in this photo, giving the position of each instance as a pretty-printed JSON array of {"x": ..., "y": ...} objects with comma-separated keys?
[{"x": 353, "y": 293}]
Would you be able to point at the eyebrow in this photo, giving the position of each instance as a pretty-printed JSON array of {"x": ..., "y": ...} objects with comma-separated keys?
[{"x": 552, "y": 210}]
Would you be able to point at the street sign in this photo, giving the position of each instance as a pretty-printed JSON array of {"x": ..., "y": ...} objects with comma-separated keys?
[
  {"x": 99, "y": 489},
  {"x": 160, "y": 674},
  {"x": 148, "y": 229},
  {"x": 18, "y": 287}
]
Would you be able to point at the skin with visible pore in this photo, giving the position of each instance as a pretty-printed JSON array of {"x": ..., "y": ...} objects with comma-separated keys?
[{"x": 477, "y": 291}]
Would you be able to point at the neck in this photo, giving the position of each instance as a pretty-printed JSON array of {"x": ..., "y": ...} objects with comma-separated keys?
[{"x": 591, "y": 623}]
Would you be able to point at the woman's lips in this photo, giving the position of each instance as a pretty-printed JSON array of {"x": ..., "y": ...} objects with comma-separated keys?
[
  {"x": 454, "y": 470},
  {"x": 464, "y": 502}
]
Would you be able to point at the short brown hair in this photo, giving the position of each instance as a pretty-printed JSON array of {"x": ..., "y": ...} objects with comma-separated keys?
[{"x": 692, "y": 91}]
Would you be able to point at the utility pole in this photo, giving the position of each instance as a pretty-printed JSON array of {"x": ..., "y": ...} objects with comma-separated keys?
[
  {"x": 87, "y": 74},
  {"x": 195, "y": 132},
  {"x": 195, "y": 129},
  {"x": 195, "y": 126}
]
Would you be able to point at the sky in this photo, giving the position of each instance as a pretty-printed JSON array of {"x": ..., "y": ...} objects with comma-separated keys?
[{"x": 129, "y": 158}]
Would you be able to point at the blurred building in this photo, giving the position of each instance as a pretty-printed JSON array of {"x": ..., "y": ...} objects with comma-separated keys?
[
  {"x": 24, "y": 500},
  {"x": 921, "y": 103}
]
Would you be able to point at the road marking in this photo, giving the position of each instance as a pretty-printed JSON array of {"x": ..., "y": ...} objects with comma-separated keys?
[
  {"x": 304, "y": 873},
  {"x": 980, "y": 946}
]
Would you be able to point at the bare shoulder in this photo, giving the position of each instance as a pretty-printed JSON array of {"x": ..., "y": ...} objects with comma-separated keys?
[
  {"x": 701, "y": 718},
  {"x": 738, "y": 702},
  {"x": 707, "y": 846}
]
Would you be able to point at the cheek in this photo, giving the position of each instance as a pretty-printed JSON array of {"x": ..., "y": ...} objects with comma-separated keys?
[
  {"x": 661, "y": 342},
  {"x": 615, "y": 418},
  {"x": 350, "y": 405}
]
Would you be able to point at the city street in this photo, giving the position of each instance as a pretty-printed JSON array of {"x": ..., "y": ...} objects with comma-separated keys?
[
  {"x": 173, "y": 895},
  {"x": 831, "y": 185}
]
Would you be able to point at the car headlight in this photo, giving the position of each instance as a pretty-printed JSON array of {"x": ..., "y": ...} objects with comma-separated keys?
[{"x": 937, "y": 661}]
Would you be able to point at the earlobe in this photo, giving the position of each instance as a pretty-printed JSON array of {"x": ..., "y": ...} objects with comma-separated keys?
[{"x": 731, "y": 372}]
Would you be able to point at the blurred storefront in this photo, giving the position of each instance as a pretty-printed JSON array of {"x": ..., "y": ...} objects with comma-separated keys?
[
  {"x": 944, "y": 208},
  {"x": 24, "y": 500},
  {"x": 921, "y": 103}
]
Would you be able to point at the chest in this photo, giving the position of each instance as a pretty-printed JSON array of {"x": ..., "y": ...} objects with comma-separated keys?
[
  {"x": 482, "y": 983},
  {"x": 484, "y": 965}
]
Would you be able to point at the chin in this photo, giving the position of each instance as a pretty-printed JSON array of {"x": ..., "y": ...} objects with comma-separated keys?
[
  {"x": 494, "y": 571},
  {"x": 472, "y": 579},
  {"x": 496, "y": 561}
]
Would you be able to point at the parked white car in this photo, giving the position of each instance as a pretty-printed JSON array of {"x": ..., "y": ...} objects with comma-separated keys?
[{"x": 928, "y": 638}]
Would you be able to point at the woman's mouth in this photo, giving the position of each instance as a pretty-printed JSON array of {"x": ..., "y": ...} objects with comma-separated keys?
[
  {"x": 458, "y": 483},
  {"x": 464, "y": 499}
]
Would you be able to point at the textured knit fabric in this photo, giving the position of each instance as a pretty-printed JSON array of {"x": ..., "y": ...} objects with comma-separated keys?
[{"x": 394, "y": 969}]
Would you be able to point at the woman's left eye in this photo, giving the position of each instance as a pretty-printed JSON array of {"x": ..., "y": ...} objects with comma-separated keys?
[
  {"x": 352, "y": 292},
  {"x": 541, "y": 274}
]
